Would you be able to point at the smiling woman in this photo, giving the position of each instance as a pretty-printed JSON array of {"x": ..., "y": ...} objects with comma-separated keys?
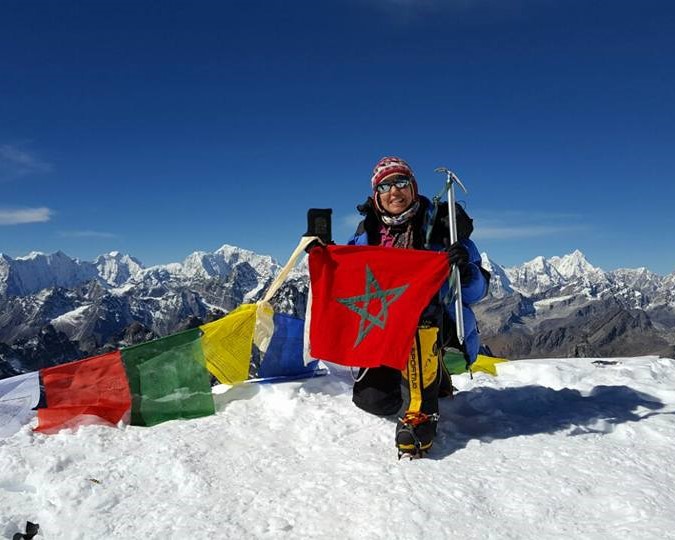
[
  {"x": 396, "y": 195},
  {"x": 397, "y": 216}
]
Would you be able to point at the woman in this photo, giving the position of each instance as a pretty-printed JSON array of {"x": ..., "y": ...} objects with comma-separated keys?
[{"x": 397, "y": 216}]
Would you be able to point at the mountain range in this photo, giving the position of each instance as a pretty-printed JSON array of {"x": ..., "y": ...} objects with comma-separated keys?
[
  {"x": 54, "y": 308},
  {"x": 566, "y": 307}
]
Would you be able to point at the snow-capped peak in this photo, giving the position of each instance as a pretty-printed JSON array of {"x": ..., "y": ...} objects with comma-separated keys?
[
  {"x": 534, "y": 276},
  {"x": 500, "y": 284},
  {"x": 573, "y": 265},
  {"x": 116, "y": 268},
  {"x": 487, "y": 263},
  {"x": 203, "y": 264},
  {"x": 37, "y": 271},
  {"x": 233, "y": 253},
  {"x": 31, "y": 256},
  {"x": 262, "y": 264}
]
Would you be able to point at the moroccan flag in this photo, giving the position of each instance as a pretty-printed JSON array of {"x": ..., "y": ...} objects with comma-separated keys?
[
  {"x": 168, "y": 379},
  {"x": 367, "y": 300},
  {"x": 78, "y": 392}
]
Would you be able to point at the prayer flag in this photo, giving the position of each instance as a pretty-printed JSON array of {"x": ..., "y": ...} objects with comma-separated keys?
[
  {"x": 168, "y": 379},
  {"x": 227, "y": 344},
  {"x": 487, "y": 364},
  {"x": 367, "y": 301},
  {"x": 455, "y": 363},
  {"x": 284, "y": 356},
  {"x": 88, "y": 391},
  {"x": 18, "y": 395}
]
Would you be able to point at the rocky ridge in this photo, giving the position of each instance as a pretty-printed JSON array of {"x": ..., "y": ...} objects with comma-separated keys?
[
  {"x": 565, "y": 306},
  {"x": 54, "y": 308}
]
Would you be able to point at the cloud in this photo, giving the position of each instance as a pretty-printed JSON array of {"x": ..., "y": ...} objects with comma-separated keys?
[
  {"x": 509, "y": 225},
  {"x": 514, "y": 225},
  {"x": 350, "y": 222},
  {"x": 87, "y": 234},
  {"x": 523, "y": 231},
  {"x": 16, "y": 162},
  {"x": 24, "y": 215},
  {"x": 529, "y": 216}
]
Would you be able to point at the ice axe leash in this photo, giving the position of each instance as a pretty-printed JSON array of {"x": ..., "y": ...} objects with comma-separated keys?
[{"x": 455, "y": 279}]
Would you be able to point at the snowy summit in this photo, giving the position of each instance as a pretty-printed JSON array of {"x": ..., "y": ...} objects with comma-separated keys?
[{"x": 575, "y": 448}]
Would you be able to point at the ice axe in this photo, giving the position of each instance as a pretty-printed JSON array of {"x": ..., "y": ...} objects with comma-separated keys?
[{"x": 455, "y": 280}]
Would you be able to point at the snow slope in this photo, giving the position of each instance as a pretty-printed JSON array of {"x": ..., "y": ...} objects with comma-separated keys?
[{"x": 549, "y": 449}]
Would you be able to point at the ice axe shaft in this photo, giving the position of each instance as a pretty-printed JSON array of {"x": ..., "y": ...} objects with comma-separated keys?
[{"x": 455, "y": 279}]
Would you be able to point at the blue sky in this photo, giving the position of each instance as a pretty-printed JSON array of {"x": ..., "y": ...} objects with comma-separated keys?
[{"x": 162, "y": 128}]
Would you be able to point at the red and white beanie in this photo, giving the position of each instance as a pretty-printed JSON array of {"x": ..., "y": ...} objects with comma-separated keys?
[{"x": 390, "y": 166}]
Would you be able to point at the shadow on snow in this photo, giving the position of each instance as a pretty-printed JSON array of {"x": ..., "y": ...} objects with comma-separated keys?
[{"x": 487, "y": 414}]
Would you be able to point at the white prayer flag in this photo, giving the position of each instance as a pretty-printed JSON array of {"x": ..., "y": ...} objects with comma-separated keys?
[{"x": 18, "y": 395}]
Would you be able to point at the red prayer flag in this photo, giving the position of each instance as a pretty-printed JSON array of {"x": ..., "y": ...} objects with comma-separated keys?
[
  {"x": 95, "y": 386},
  {"x": 367, "y": 300}
]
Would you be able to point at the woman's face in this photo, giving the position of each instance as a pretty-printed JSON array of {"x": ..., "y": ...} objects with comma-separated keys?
[{"x": 396, "y": 200}]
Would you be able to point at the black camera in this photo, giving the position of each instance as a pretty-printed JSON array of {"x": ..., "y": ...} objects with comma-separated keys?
[{"x": 319, "y": 224}]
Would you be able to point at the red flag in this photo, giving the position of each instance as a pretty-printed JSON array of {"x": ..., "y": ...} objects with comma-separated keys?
[
  {"x": 95, "y": 386},
  {"x": 367, "y": 300}
]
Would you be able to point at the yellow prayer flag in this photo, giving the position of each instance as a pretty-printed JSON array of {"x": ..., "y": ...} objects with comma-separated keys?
[
  {"x": 487, "y": 364},
  {"x": 227, "y": 344}
]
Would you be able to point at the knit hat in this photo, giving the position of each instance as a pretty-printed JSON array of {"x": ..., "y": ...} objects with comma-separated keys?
[{"x": 389, "y": 166}]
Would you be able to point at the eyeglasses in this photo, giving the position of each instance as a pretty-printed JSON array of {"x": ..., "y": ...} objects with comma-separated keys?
[{"x": 401, "y": 183}]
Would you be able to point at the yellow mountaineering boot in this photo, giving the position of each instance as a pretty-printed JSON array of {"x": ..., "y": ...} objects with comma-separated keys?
[{"x": 415, "y": 431}]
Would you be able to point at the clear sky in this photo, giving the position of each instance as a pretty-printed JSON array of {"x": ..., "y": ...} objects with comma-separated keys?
[{"x": 161, "y": 128}]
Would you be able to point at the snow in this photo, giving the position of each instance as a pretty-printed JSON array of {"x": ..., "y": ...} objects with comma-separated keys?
[
  {"x": 250, "y": 295},
  {"x": 573, "y": 265},
  {"x": 36, "y": 271},
  {"x": 123, "y": 290},
  {"x": 548, "y": 302},
  {"x": 500, "y": 284},
  {"x": 574, "y": 448},
  {"x": 116, "y": 268},
  {"x": 71, "y": 318},
  {"x": 32, "y": 256},
  {"x": 534, "y": 276}
]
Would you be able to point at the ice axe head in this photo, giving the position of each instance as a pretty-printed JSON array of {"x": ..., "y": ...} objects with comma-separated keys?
[{"x": 450, "y": 177}]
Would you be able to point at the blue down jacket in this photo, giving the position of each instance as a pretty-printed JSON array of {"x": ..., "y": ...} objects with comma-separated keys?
[{"x": 431, "y": 226}]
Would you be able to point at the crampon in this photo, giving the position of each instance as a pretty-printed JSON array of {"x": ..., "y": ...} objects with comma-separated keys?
[{"x": 415, "y": 434}]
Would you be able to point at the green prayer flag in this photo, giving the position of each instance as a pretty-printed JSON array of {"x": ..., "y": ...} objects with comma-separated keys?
[
  {"x": 168, "y": 379},
  {"x": 454, "y": 362}
]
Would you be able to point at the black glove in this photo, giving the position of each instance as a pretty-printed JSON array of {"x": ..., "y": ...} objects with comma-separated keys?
[{"x": 460, "y": 256}]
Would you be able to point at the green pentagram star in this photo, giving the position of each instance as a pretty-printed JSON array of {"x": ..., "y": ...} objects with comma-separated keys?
[{"x": 373, "y": 292}]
